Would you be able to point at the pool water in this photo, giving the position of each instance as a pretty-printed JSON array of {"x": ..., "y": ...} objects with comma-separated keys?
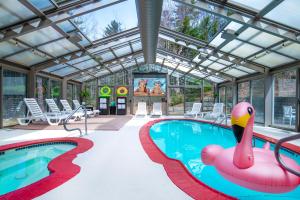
[
  {"x": 184, "y": 140},
  {"x": 23, "y": 166}
]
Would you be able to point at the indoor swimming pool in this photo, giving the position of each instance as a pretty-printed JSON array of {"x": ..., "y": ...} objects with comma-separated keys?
[{"x": 184, "y": 140}]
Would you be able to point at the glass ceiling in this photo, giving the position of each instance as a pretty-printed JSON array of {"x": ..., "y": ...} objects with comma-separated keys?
[
  {"x": 97, "y": 38},
  {"x": 176, "y": 48},
  {"x": 190, "y": 21},
  {"x": 108, "y": 21}
]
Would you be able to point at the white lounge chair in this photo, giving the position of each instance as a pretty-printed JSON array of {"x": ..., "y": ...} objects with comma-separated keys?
[
  {"x": 67, "y": 108},
  {"x": 156, "y": 110},
  {"x": 217, "y": 112},
  {"x": 35, "y": 113},
  {"x": 90, "y": 113},
  {"x": 54, "y": 108},
  {"x": 141, "y": 109},
  {"x": 289, "y": 113},
  {"x": 196, "y": 110}
]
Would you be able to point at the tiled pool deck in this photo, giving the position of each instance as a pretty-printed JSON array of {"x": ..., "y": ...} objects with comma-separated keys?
[{"x": 117, "y": 166}]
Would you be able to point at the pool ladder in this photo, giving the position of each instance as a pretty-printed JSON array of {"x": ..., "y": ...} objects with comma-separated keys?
[
  {"x": 277, "y": 155},
  {"x": 71, "y": 115}
]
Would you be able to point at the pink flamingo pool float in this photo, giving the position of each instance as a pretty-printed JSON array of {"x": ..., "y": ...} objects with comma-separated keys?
[{"x": 253, "y": 168}]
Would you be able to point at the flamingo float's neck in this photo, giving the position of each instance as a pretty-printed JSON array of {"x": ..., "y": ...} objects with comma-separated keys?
[{"x": 243, "y": 154}]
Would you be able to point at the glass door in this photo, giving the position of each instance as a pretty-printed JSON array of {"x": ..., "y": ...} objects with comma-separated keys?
[
  {"x": 284, "y": 99},
  {"x": 42, "y": 91},
  {"x": 192, "y": 95},
  {"x": 14, "y": 91},
  {"x": 258, "y": 99},
  {"x": 176, "y": 101}
]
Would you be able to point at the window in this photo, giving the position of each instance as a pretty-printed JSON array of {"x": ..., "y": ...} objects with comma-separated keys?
[
  {"x": 229, "y": 99},
  {"x": 55, "y": 90},
  {"x": 70, "y": 94},
  {"x": 208, "y": 96},
  {"x": 244, "y": 91},
  {"x": 258, "y": 99},
  {"x": 222, "y": 95},
  {"x": 41, "y": 91},
  {"x": 92, "y": 88},
  {"x": 73, "y": 93},
  {"x": 192, "y": 95},
  {"x": 284, "y": 94},
  {"x": 14, "y": 91},
  {"x": 176, "y": 106}
]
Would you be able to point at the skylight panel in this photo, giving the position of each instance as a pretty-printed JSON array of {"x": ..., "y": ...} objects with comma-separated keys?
[
  {"x": 191, "y": 21},
  {"x": 272, "y": 59},
  {"x": 40, "y": 36},
  {"x": 265, "y": 39},
  {"x": 256, "y": 5},
  {"x": 245, "y": 50},
  {"x": 28, "y": 58},
  {"x": 216, "y": 66},
  {"x": 108, "y": 21},
  {"x": 12, "y": 12},
  {"x": 287, "y": 13},
  {"x": 9, "y": 47},
  {"x": 291, "y": 49}
]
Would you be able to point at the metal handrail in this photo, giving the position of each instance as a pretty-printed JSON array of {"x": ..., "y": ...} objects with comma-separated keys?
[
  {"x": 71, "y": 115},
  {"x": 277, "y": 155},
  {"x": 222, "y": 120}
]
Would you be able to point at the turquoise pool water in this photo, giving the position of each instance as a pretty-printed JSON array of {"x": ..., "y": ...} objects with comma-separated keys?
[
  {"x": 184, "y": 140},
  {"x": 23, "y": 166}
]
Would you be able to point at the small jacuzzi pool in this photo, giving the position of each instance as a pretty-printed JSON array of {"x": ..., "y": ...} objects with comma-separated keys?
[
  {"x": 25, "y": 165},
  {"x": 38, "y": 166},
  {"x": 183, "y": 140}
]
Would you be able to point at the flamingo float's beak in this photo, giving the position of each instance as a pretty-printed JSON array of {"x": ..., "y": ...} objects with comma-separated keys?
[{"x": 239, "y": 123}]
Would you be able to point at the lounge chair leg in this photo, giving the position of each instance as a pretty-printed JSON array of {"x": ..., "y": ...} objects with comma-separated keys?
[
  {"x": 55, "y": 123},
  {"x": 22, "y": 121}
]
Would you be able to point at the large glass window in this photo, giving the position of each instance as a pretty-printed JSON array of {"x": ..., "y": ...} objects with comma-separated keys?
[
  {"x": 91, "y": 87},
  {"x": 208, "y": 96},
  {"x": 284, "y": 94},
  {"x": 258, "y": 100},
  {"x": 55, "y": 90},
  {"x": 70, "y": 93},
  {"x": 73, "y": 93},
  {"x": 192, "y": 95},
  {"x": 41, "y": 91},
  {"x": 222, "y": 94},
  {"x": 14, "y": 91},
  {"x": 176, "y": 106},
  {"x": 76, "y": 92},
  {"x": 244, "y": 91},
  {"x": 229, "y": 99}
]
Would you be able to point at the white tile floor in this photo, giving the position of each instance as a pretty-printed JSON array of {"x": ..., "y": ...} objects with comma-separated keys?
[{"x": 116, "y": 167}]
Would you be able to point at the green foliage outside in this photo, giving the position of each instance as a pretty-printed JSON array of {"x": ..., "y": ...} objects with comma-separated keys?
[
  {"x": 113, "y": 28},
  {"x": 191, "y": 21},
  {"x": 85, "y": 95},
  {"x": 55, "y": 91},
  {"x": 202, "y": 30},
  {"x": 176, "y": 99}
]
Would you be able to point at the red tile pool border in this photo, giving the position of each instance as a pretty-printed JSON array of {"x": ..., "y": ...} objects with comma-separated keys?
[
  {"x": 62, "y": 169},
  {"x": 177, "y": 172}
]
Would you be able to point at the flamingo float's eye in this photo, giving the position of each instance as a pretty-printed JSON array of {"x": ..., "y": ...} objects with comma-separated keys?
[{"x": 250, "y": 110}]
